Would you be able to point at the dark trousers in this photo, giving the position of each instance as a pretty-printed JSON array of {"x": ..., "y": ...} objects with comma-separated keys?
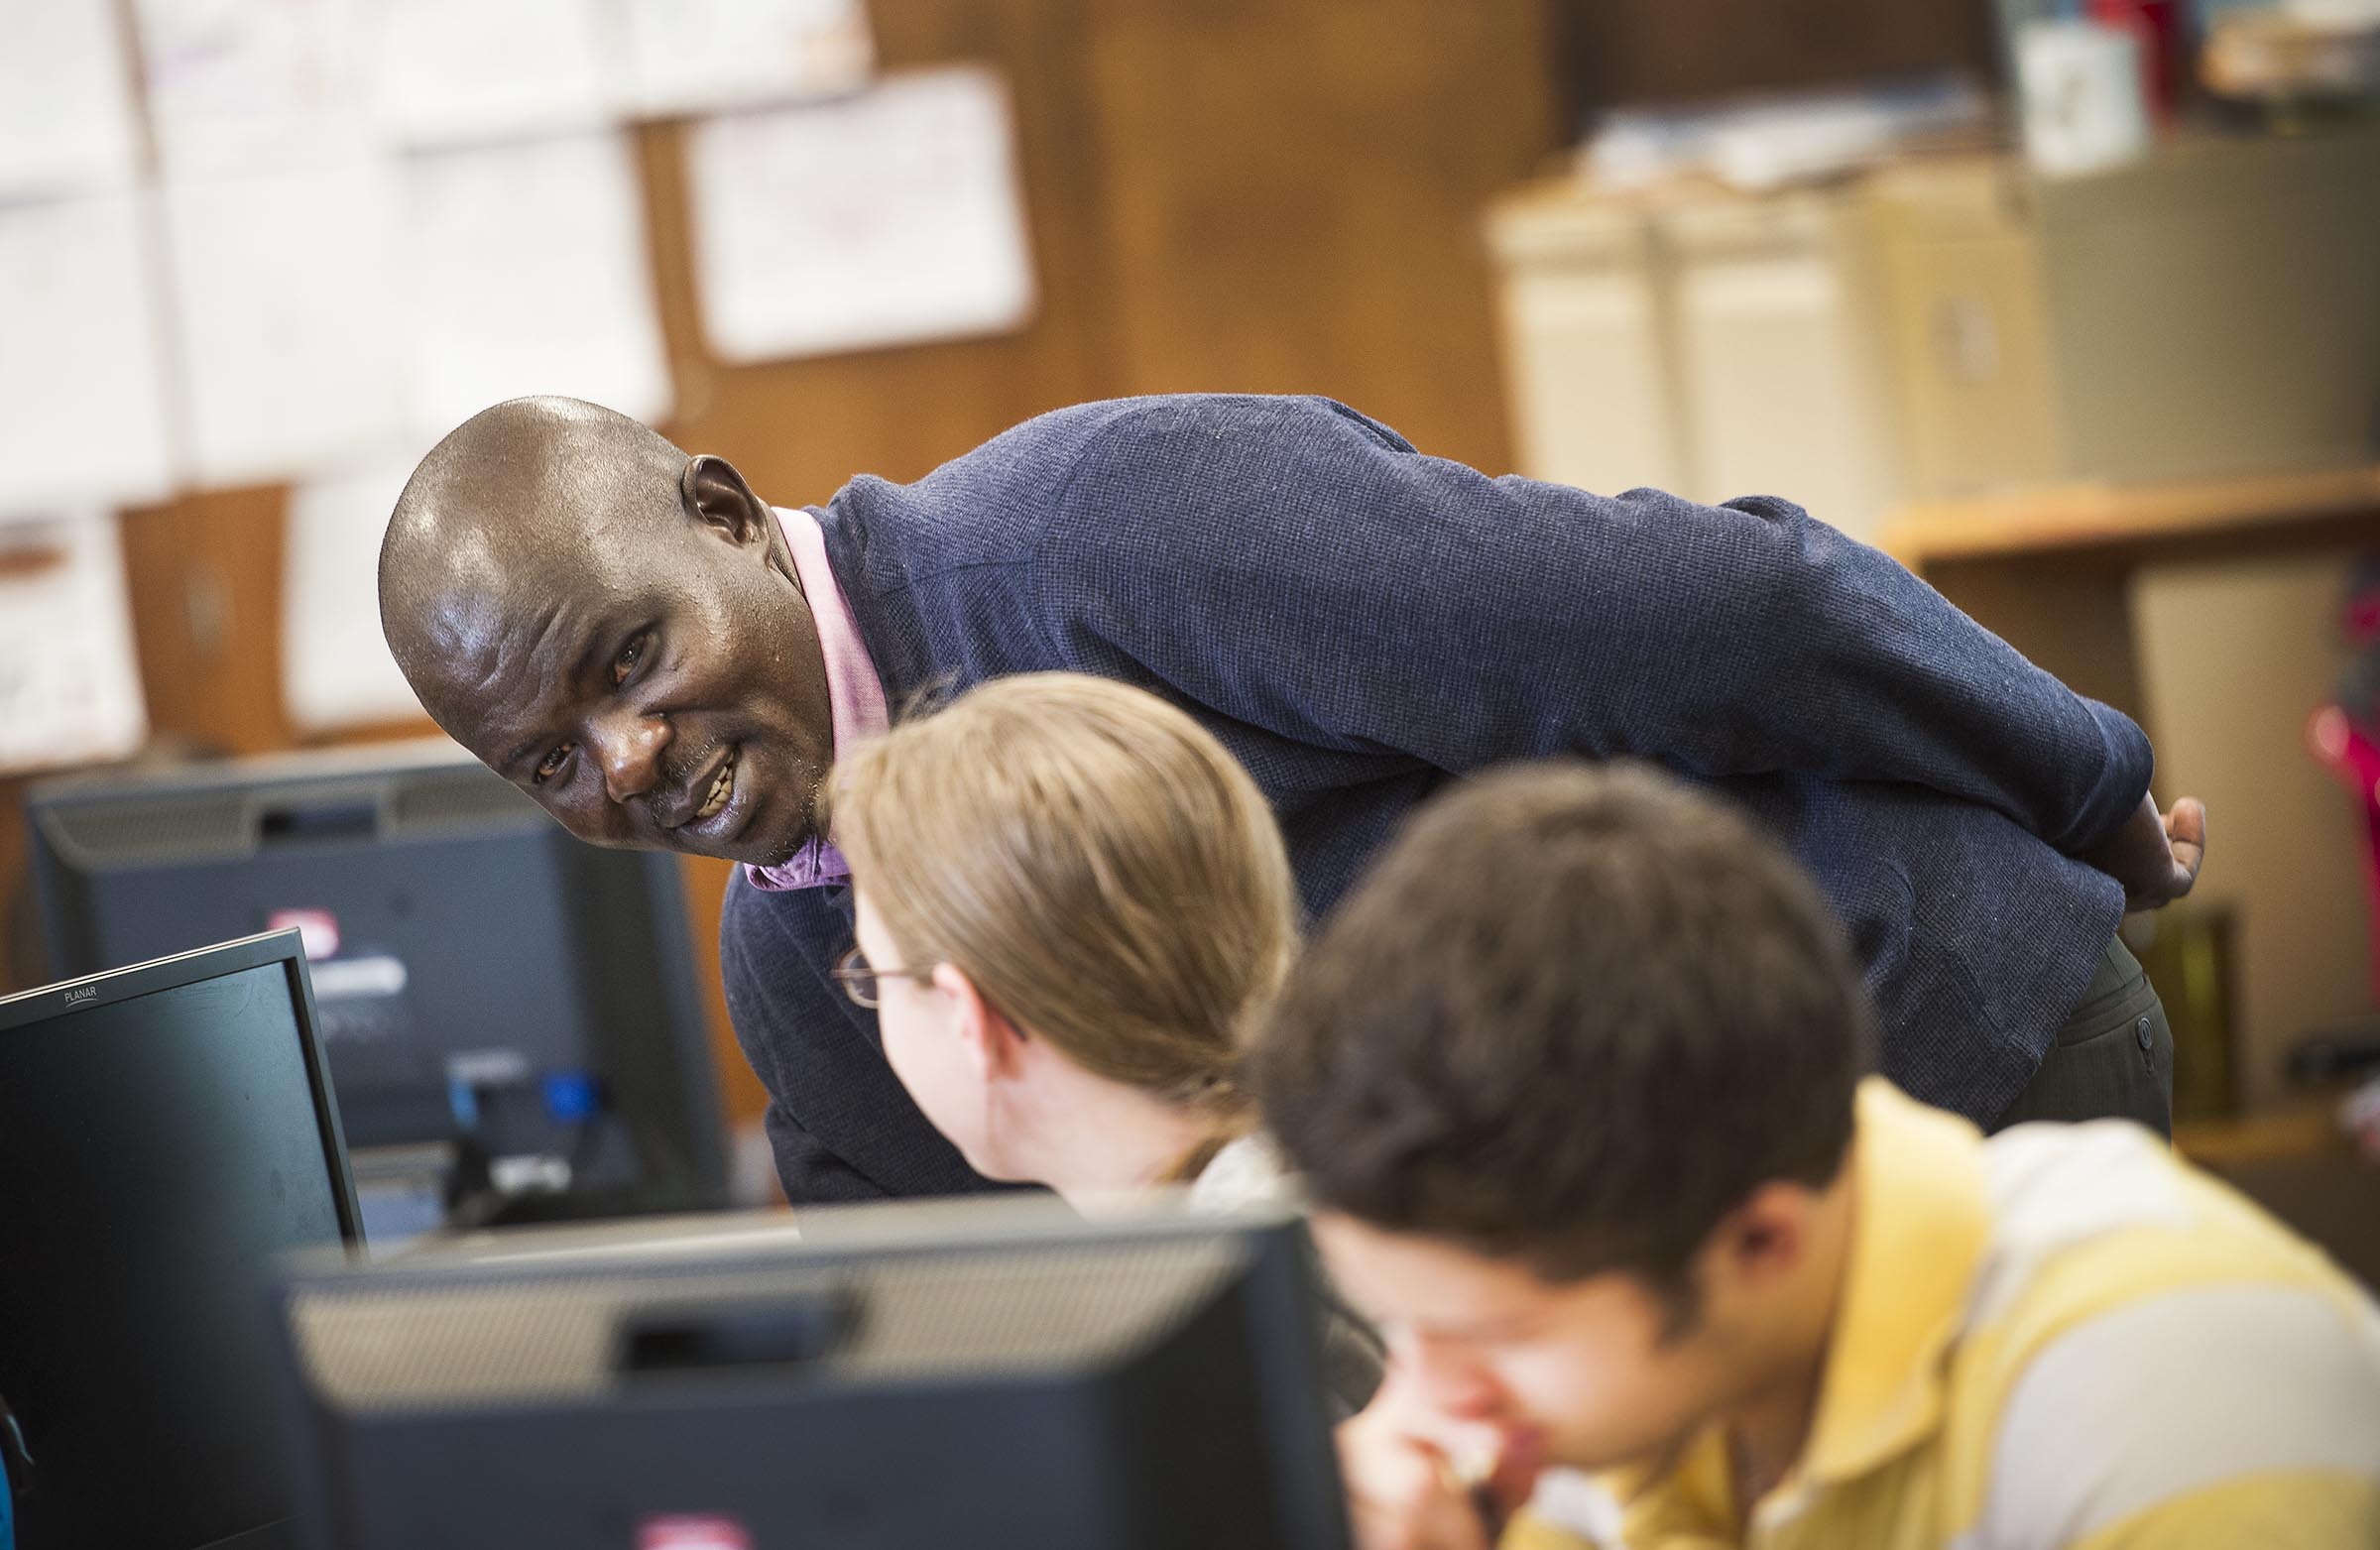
[{"x": 2114, "y": 1058}]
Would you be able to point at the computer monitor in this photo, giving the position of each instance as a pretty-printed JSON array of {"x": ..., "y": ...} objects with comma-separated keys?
[
  {"x": 512, "y": 1016},
  {"x": 982, "y": 1373},
  {"x": 167, "y": 1133}
]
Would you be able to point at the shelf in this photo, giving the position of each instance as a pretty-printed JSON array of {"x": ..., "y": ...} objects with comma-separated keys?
[{"x": 2338, "y": 504}]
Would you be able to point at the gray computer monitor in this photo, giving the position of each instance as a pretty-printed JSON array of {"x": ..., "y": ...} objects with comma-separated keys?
[
  {"x": 494, "y": 994},
  {"x": 987, "y": 1373},
  {"x": 167, "y": 1133}
]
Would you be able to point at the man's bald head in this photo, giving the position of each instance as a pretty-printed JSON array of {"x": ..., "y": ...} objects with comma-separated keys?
[
  {"x": 612, "y": 624},
  {"x": 509, "y": 496}
]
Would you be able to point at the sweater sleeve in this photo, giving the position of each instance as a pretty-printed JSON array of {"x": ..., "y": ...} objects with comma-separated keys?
[{"x": 1292, "y": 564}]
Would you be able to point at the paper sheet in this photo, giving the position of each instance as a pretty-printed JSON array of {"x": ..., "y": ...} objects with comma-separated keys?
[
  {"x": 699, "y": 56},
  {"x": 69, "y": 682},
  {"x": 82, "y": 405},
  {"x": 335, "y": 669},
  {"x": 880, "y": 219},
  {"x": 528, "y": 271},
  {"x": 65, "y": 113},
  {"x": 282, "y": 292},
  {"x": 236, "y": 85},
  {"x": 456, "y": 71}
]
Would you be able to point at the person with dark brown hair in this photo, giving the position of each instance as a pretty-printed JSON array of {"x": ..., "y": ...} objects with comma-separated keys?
[{"x": 1575, "y": 1081}]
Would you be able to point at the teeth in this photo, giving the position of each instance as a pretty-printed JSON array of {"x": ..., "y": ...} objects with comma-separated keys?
[{"x": 723, "y": 785}]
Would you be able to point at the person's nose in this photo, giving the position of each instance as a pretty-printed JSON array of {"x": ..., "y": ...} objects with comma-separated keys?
[
  {"x": 628, "y": 746},
  {"x": 1445, "y": 1374}
]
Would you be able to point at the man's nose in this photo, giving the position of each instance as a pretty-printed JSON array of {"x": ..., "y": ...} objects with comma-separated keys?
[
  {"x": 1446, "y": 1374},
  {"x": 629, "y": 747}
]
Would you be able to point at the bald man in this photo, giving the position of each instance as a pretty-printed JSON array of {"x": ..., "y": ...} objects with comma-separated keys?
[{"x": 662, "y": 658}]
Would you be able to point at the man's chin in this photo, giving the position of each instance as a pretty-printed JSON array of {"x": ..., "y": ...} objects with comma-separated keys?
[
  {"x": 741, "y": 852},
  {"x": 1637, "y": 1456},
  {"x": 767, "y": 854}
]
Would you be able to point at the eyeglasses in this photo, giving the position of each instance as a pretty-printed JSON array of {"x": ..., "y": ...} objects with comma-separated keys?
[{"x": 859, "y": 977}]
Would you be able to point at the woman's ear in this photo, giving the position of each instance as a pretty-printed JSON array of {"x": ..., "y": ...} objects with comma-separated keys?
[{"x": 995, "y": 1044}]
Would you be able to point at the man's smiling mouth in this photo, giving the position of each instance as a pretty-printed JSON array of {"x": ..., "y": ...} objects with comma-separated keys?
[{"x": 723, "y": 786}]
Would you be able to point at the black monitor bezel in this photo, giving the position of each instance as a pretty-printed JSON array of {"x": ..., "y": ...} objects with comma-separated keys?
[{"x": 49, "y": 1003}]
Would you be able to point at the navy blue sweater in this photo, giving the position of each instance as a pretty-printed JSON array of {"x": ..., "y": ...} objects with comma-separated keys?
[{"x": 1359, "y": 623}]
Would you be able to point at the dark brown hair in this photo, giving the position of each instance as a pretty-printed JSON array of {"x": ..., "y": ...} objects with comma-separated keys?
[{"x": 1576, "y": 1015}]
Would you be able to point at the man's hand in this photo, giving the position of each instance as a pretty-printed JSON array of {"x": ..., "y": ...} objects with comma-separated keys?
[
  {"x": 2155, "y": 856},
  {"x": 1401, "y": 1491},
  {"x": 1404, "y": 1489}
]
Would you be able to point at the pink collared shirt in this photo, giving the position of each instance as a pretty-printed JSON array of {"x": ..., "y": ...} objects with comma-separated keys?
[{"x": 854, "y": 695}]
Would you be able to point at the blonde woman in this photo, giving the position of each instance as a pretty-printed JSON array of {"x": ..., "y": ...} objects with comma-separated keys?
[
  {"x": 1071, "y": 900},
  {"x": 1071, "y": 905}
]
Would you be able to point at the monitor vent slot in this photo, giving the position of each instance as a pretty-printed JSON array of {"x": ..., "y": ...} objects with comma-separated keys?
[
  {"x": 180, "y": 829},
  {"x": 458, "y": 798}
]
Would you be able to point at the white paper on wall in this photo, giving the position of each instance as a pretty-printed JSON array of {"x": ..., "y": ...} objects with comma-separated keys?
[
  {"x": 69, "y": 682},
  {"x": 884, "y": 218},
  {"x": 236, "y": 85},
  {"x": 335, "y": 669},
  {"x": 527, "y": 274},
  {"x": 83, "y": 389},
  {"x": 282, "y": 290},
  {"x": 700, "y": 56},
  {"x": 457, "y": 71},
  {"x": 65, "y": 110}
]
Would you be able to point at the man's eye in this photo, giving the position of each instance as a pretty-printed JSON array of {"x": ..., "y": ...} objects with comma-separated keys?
[
  {"x": 551, "y": 764},
  {"x": 625, "y": 663}
]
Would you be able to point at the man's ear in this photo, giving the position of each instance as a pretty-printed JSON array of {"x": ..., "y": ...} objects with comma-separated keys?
[
  {"x": 1766, "y": 1238},
  {"x": 994, "y": 1043},
  {"x": 715, "y": 495}
]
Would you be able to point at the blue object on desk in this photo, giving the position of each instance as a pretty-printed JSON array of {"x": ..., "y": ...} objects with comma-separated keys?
[
  {"x": 572, "y": 1097},
  {"x": 462, "y": 1100}
]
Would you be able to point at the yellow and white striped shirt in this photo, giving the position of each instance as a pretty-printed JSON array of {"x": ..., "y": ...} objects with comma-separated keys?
[{"x": 2062, "y": 1338}]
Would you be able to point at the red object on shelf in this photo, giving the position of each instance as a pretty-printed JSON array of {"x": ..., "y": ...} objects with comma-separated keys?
[
  {"x": 2355, "y": 759},
  {"x": 2161, "y": 26}
]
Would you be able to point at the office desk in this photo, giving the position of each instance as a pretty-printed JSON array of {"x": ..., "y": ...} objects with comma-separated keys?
[{"x": 2048, "y": 569}]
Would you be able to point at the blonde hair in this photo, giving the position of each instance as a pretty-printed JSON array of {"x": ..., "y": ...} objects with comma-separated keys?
[{"x": 1094, "y": 860}]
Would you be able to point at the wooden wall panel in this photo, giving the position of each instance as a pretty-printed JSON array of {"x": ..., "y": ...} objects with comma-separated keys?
[
  {"x": 204, "y": 577},
  {"x": 1612, "y": 52},
  {"x": 1293, "y": 194},
  {"x": 800, "y": 428}
]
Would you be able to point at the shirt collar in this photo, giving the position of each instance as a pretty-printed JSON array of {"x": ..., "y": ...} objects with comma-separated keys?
[
  {"x": 1920, "y": 1224},
  {"x": 855, "y": 693},
  {"x": 1923, "y": 1219}
]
